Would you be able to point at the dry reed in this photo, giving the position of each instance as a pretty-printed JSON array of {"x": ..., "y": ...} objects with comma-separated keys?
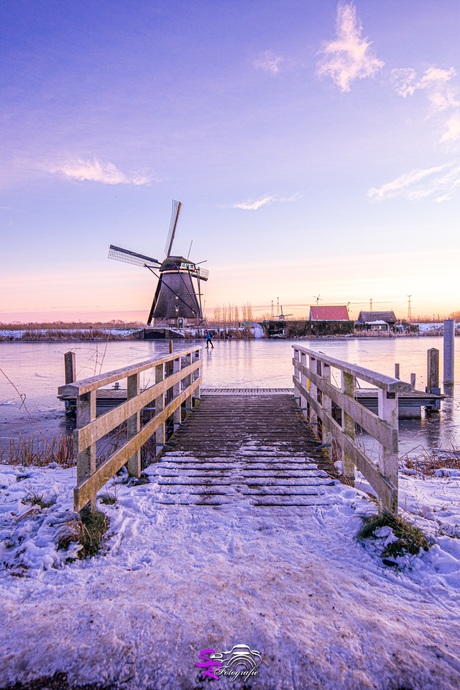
[
  {"x": 425, "y": 461},
  {"x": 38, "y": 451}
]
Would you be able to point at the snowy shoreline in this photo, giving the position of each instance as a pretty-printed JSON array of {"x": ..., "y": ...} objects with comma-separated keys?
[{"x": 172, "y": 580}]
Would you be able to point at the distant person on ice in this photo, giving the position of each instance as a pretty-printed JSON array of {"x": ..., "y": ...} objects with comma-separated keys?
[{"x": 209, "y": 340}]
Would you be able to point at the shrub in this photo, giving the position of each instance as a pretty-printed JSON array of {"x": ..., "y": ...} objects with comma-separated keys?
[
  {"x": 409, "y": 539},
  {"x": 86, "y": 530}
]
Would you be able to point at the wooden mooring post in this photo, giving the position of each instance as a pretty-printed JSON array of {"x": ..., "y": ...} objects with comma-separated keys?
[
  {"x": 449, "y": 352},
  {"x": 432, "y": 371},
  {"x": 69, "y": 367}
]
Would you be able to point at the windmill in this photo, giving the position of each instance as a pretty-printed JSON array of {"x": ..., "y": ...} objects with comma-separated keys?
[
  {"x": 314, "y": 315},
  {"x": 282, "y": 316},
  {"x": 177, "y": 298}
]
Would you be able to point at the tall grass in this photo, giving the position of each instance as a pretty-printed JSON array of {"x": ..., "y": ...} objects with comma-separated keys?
[{"x": 38, "y": 451}]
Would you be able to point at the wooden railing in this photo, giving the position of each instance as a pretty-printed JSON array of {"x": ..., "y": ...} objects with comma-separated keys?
[
  {"x": 177, "y": 384},
  {"x": 318, "y": 394}
]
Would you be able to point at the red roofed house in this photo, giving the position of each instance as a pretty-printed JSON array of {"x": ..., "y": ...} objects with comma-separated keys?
[{"x": 329, "y": 314}]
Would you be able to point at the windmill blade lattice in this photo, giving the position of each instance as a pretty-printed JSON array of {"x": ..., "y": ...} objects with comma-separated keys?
[
  {"x": 176, "y": 207},
  {"x": 129, "y": 257}
]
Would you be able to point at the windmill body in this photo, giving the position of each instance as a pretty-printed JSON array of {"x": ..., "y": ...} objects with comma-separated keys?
[
  {"x": 177, "y": 298},
  {"x": 177, "y": 295}
]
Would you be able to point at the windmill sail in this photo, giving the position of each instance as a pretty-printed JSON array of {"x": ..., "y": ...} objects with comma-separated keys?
[
  {"x": 176, "y": 207},
  {"x": 120, "y": 254}
]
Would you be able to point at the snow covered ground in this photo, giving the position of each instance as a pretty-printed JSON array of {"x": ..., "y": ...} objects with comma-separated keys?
[{"x": 293, "y": 584}]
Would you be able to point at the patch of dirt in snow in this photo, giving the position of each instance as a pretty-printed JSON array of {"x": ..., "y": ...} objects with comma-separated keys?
[{"x": 291, "y": 583}]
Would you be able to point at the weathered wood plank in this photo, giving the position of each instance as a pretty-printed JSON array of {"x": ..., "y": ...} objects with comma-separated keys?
[
  {"x": 89, "y": 384},
  {"x": 386, "y": 382},
  {"x": 133, "y": 424},
  {"x": 86, "y": 458},
  {"x": 348, "y": 424}
]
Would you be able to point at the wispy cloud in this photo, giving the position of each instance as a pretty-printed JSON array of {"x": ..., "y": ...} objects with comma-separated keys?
[
  {"x": 440, "y": 182},
  {"x": 96, "y": 171},
  {"x": 348, "y": 57},
  {"x": 435, "y": 82},
  {"x": 268, "y": 62},
  {"x": 255, "y": 204},
  {"x": 452, "y": 129}
]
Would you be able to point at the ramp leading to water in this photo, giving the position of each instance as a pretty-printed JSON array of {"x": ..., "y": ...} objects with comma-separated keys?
[{"x": 253, "y": 448}]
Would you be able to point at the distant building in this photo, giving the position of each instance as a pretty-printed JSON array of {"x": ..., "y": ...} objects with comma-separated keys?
[
  {"x": 376, "y": 320},
  {"x": 329, "y": 313}
]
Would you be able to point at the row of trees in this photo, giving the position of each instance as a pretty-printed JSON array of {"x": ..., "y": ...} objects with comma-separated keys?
[{"x": 231, "y": 316}]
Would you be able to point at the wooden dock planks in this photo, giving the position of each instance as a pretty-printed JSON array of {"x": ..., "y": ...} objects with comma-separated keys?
[{"x": 244, "y": 449}]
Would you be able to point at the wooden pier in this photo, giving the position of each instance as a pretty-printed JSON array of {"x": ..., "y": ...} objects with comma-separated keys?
[
  {"x": 244, "y": 448},
  {"x": 269, "y": 447}
]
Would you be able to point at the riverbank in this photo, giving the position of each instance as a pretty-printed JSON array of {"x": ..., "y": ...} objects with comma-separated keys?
[
  {"x": 291, "y": 330},
  {"x": 100, "y": 335}
]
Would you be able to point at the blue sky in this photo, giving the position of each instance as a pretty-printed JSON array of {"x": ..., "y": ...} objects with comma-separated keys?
[{"x": 315, "y": 147}]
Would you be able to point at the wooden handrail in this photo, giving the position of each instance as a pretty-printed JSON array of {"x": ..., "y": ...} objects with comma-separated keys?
[
  {"x": 177, "y": 381},
  {"x": 94, "y": 382},
  {"x": 312, "y": 381}
]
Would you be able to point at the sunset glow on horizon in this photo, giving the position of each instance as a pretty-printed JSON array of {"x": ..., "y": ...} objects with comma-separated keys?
[{"x": 315, "y": 148}]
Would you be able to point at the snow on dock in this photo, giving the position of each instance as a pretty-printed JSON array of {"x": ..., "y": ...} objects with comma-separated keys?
[{"x": 252, "y": 448}]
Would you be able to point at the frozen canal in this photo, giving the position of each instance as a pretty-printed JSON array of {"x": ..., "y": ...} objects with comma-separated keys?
[{"x": 35, "y": 370}]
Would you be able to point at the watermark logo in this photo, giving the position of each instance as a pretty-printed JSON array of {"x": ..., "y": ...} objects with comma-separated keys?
[{"x": 239, "y": 662}]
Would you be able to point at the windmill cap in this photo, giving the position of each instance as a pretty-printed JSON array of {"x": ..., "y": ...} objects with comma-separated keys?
[{"x": 176, "y": 262}]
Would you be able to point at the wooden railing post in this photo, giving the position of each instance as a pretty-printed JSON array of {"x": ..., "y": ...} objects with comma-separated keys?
[
  {"x": 133, "y": 426},
  {"x": 388, "y": 456},
  {"x": 86, "y": 459},
  {"x": 313, "y": 417},
  {"x": 177, "y": 414},
  {"x": 197, "y": 393},
  {"x": 303, "y": 381},
  {"x": 327, "y": 407},
  {"x": 348, "y": 425},
  {"x": 187, "y": 383},
  {"x": 160, "y": 434}
]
